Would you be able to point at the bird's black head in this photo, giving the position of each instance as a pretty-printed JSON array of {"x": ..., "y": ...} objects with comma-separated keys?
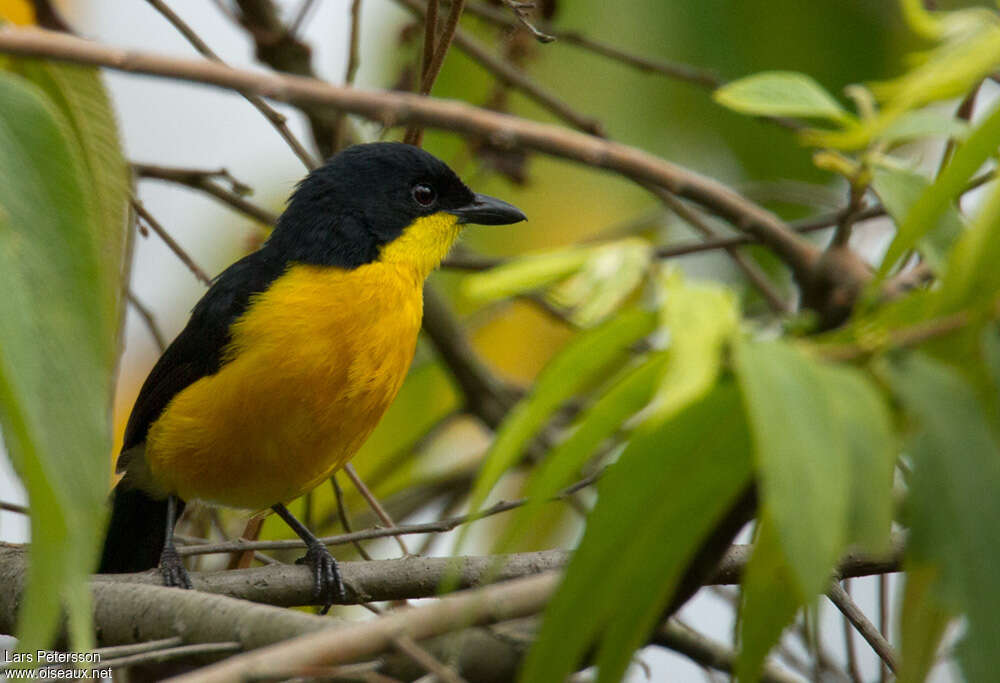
[{"x": 381, "y": 201}]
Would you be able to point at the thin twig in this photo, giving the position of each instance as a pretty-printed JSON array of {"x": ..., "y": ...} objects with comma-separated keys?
[
  {"x": 414, "y": 651},
  {"x": 883, "y": 620},
  {"x": 439, "y": 526},
  {"x": 118, "y": 651},
  {"x": 277, "y": 120},
  {"x": 675, "y": 70},
  {"x": 171, "y": 242},
  {"x": 703, "y": 650},
  {"x": 350, "y": 72},
  {"x": 373, "y": 503},
  {"x": 839, "y": 597},
  {"x": 198, "y": 179},
  {"x": 168, "y": 654},
  {"x": 521, "y": 14},
  {"x": 509, "y": 75},
  {"x": 150, "y": 321},
  {"x": 750, "y": 269},
  {"x": 300, "y": 16},
  {"x": 345, "y": 521},
  {"x": 430, "y": 39},
  {"x": 432, "y": 67},
  {"x": 852, "y": 655},
  {"x": 13, "y": 507}
]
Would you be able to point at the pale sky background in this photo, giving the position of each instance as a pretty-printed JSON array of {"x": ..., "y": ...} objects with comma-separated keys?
[{"x": 173, "y": 124}]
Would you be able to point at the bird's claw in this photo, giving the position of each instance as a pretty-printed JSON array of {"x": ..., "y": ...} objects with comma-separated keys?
[
  {"x": 328, "y": 587},
  {"x": 172, "y": 569}
]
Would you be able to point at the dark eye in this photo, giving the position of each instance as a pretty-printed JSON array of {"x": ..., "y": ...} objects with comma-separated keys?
[{"x": 424, "y": 194}]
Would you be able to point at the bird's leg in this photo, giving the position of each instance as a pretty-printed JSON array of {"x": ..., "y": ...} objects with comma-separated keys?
[
  {"x": 328, "y": 587},
  {"x": 171, "y": 567}
]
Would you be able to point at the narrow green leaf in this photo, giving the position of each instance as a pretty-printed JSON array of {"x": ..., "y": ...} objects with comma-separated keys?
[
  {"x": 801, "y": 455},
  {"x": 953, "y": 508},
  {"x": 780, "y": 93},
  {"x": 700, "y": 320},
  {"x": 926, "y": 212},
  {"x": 56, "y": 350},
  {"x": 861, "y": 414},
  {"x": 599, "y": 422},
  {"x": 899, "y": 189},
  {"x": 656, "y": 505},
  {"x": 770, "y": 601},
  {"x": 972, "y": 278},
  {"x": 584, "y": 358},
  {"x": 524, "y": 274},
  {"x": 922, "y": 624}
]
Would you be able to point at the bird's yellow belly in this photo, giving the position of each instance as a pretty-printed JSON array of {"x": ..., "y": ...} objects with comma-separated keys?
[{"x": 315, "y": 362}]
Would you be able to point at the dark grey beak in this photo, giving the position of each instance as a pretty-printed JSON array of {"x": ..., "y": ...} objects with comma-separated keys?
[{"x": 485, "y": 210}]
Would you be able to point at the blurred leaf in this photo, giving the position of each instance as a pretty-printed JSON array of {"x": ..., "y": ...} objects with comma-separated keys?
[
  {"x": 899, "y": 189},
  {"x": 583, "y": 359},
  {"x": 600, "y": 421},
  {"x": 770, "y": 601},
  {"x": 700, "y": 319},
  {"x": 861, "y": 414},
  {"x": 524, "y": 274},
  {"x": 79, "y": 94},
  {"x": 953, "y": 508},
  {"x": 801, "y": 455},
  {"x": 972, "y": 276},
  {"x": 56, "y": 351},
  {"x": 656, "y": 491},
  {"x": 926, "y": 212},
  {"x": 604, "y": 281},
  {"x": 781, "y": 93},
  {"x": 924, "y": 123},
  {"x": 950, "y": 70},
  {"x": 922, "y": 624}
]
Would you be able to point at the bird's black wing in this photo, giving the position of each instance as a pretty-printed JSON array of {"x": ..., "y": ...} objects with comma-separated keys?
[{"x": 197, "y": 351}]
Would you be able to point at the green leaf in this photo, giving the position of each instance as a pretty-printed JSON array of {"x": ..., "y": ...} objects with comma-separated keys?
[
  {"x": 524, "y": 274},
  {"x": 861, "y": 414},
  {"x": 924, "y": 123},
  {"x": 599, "y": 422},
  {"x": 656, "y": 505},
  {"x": 953, "y": 508},
  {"x": 780, "y": 93},
  {"x": 57, "y": 346},
  {"x": 700, "y": 320},
  {"x": 899, "y": 189},
  {"x": 972, "y": 278},
  {"x": 770, "y": 601},
  {"x": 583, "y": 359},
  {"x": 922, "y": 624},
  {"x": 926, "y": 212},
  {"x": 801, "y": 455},
  {"x": 79, "y": 94},
  {"x": 609, "y": 276}
]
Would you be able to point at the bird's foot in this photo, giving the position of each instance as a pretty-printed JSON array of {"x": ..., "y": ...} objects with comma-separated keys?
[
  {"x": 172, "y": 569},
  {"x": 328, "y": 587}
]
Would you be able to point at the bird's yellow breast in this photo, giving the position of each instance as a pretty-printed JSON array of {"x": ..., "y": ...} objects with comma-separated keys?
[{"x": 312, "y": 366}]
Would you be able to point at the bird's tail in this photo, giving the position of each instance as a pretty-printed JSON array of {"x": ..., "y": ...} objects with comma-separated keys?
[{"x": 136, "y": 531}]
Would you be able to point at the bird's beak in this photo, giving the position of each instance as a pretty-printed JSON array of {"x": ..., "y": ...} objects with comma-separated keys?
[{"x": 485, "y": 210}]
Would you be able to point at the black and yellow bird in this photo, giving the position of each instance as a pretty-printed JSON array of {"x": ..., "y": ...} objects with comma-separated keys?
[{"x": 292, "y": 356}]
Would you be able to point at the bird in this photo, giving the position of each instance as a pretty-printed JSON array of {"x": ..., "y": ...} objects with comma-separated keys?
[{"x": 292, "y": 356}]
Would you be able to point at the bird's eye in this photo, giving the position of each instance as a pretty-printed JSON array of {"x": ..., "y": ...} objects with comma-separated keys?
[{"x": 424, "y": 194}]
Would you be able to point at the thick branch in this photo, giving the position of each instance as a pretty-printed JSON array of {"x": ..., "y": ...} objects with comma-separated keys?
[{"x": 394, "y": 108}]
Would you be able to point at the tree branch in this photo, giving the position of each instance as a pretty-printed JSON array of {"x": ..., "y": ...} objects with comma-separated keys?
[{"x": 394, "y": 108}]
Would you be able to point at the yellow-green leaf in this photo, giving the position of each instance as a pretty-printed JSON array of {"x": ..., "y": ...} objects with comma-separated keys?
[{"x": 781, "y": 93}]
